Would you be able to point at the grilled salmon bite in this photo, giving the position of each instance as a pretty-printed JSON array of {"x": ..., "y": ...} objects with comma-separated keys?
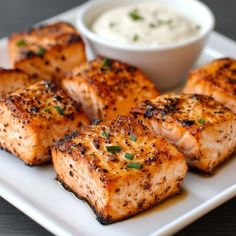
[
  {"x": 32, "y": 119},
  {"x": 107, "y": 88},
  {"x": 202, "y": 129},
  {"x": 120, "y": 167},
  {"x": 13, "y": 79},
  {"x": 47, "y": 51},
  {"x": 217, "y": 79}
]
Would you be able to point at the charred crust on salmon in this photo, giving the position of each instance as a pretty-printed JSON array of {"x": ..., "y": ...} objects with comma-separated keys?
[
  {"x": 216, "y": 79},
  {"x": 47, "y": 52},
  {"x": 190, "y": 121},
  {"x": 127, "y": 154},
  {"x": 38, "y": 116},
  {"x": 107, "y": 87}
]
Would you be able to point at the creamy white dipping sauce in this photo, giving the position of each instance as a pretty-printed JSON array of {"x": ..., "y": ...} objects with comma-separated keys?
[{"x": 145, "y": 24}]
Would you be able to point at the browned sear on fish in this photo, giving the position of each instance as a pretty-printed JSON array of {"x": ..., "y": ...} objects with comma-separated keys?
[
  {"x": 13, "y": 79},
  {"x": 119, "y": 167},
  {"x": 107, "y": 88},
  {"x": 217, "y": 79},
  {"x": 32, "y": 119},
  {"x": 202, "y": 129},
  {"x": 47, "y": 51}
]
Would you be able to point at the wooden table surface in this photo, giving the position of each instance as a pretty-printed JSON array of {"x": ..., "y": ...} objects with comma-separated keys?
[{"x": 16, "y": 15}]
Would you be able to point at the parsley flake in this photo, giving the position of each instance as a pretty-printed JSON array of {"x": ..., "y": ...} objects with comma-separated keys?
[
  {"x": 129, "y": 156},
  {"x": 105, "y": 134},
  {"x": 133, "y": 138},
  {"x": 202, "y": 121},
  {"x": 106, "y": 64},
  {"x": 134, "y": 165},
  {"x": 21, "y": 43},
  {"x": 112, "y": 24},
  {"x": 40, "y": 52},
  {"x": 135, "y": 38},
  {"x": 59, "y": 110},
  {"x": 135, "y": 16},
  {"x": 113, "y": 148}
]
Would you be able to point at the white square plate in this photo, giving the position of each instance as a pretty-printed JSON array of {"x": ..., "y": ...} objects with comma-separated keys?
[{"x": 35, "y": 192}]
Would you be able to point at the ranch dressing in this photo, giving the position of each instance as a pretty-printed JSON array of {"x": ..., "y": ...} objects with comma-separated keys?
[{"x": 145, "y": 24}]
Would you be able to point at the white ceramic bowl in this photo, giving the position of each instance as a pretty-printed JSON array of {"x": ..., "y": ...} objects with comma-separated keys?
[{"x": 166, "y": 65}]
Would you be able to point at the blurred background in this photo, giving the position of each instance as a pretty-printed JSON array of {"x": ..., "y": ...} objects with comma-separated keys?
[{"x": 16, "y": 15}]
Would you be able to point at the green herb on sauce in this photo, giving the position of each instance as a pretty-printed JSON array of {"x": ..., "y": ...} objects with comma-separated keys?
[
  {"x": 202, "y": 121},
  {"x": 112, "y": 24},
  {"x": 164, "y": 22},
  {"x": 134, "y": 165},
  {"x": 105, "y": 134},
  {"x": 198, "y": 27},
  {"x": 40, "y": 52},
  {"x": 21, "y": 43},
  {"x": 59, "y": 110},
  {"x": 152, "y": 25},
  {"x": 135, "y": 38},
  {"x": 133, "y": 138},
  {"x": 129, "y": 156},
  {"x": 106, "y": 64},
  {"x": 113, "y": 148},
  {"x": 134, "y": 15}
]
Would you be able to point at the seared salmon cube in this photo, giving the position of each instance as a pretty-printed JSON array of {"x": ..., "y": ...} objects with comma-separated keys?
[
  {"x": 47, "y": 51},
  {"x": 32, "y": 119},
  {"x": 119, "y": 167},
  {"x": 12, "y": 79},
  {"x": 202, "y": 129},
  {"x": 107, "y": 88},
  {"x": 217, "y": 79}
]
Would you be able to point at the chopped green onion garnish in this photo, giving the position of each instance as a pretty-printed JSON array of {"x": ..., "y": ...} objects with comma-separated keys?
[
  {"x": 21, "y": 43},
  {"x": 47, "y": 109},
  {"x": 106, "y": 63},
  {"x": 59, "y": 110},
  {"x": 105, "y": 134},
  {"x": 134, "y": 15},
  {"x": 135, "y": 38},
  {"x": 202, "y": 121},
  {"x": 134, "y": 165},
  {"x": 133, "y": 138},
  {"x": 129, "y": 156},
  {"x": 40, "y": 52},
  {"x": 113, "y": 148}
]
